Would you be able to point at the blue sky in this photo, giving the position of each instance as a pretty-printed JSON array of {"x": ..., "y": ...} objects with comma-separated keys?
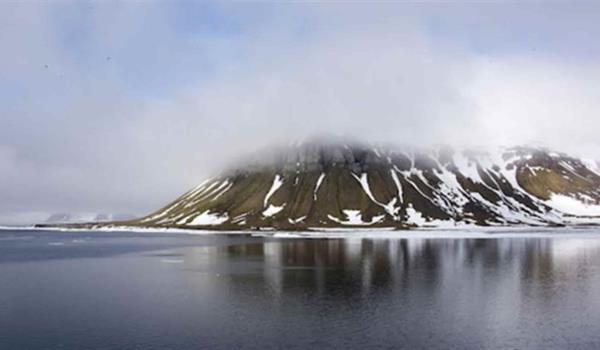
[{"x": 120, "y": 106}]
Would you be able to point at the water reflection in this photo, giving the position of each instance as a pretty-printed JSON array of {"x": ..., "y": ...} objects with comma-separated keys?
[
  {"x": 472, "y": 293},
  {"x": 264, "y": 293},
  {"x": 364, "y": 266}
]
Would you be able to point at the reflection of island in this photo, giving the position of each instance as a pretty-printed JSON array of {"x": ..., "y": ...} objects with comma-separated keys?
[
  {"x": 424, "y": 293},
  {"x": 366, "y": 266}
]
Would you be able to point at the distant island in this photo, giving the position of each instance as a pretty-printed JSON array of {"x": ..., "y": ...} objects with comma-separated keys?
[{"x": 338, "y": 184}]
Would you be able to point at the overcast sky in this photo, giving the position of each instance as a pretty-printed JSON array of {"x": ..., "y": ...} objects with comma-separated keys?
[{"x": 119, "y": 107}]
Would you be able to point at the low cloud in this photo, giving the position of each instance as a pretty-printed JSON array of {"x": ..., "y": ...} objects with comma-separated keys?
[{"x": 138, "y": 107}]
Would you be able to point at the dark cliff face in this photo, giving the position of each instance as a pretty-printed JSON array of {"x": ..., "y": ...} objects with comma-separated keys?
[{"x": 339, "y": 184}]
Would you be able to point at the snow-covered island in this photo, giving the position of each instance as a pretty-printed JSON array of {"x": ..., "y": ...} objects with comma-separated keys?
[{"x": 334, "y": 184}]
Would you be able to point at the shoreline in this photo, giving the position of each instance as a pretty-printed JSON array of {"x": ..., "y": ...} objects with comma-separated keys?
[{"x": 582, "y": 231}]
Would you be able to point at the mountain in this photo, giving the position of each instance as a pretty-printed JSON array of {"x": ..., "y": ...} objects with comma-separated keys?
[{"x": 332, "y": 184}]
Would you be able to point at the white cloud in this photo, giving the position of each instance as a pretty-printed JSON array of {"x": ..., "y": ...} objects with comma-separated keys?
[
  {"x": 130, "y": 133},
  {"x": 539, "y": 100}
]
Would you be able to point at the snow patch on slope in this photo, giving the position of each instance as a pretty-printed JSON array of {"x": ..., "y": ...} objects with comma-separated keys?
[
  {"x": 355, "y": 218},
  {"x": 297, "y": 220},
  {"x": 364, "y": 182},
  {"x": 467, "y": 167},
  {"x": 223, "y": 188},
  {"x": 207, "y": 218},
  {"x": 573, "y": 206},
  {"x": 417, "y": 218},
  {"x": 319, "y": 181},
  {"x": 591, "y": 165},
  {"x": 398, "y": 184},
  {"x": 272, "y": 210},
  {"x": 277, "y": 182},
  {"x": 414, "y": 217}
]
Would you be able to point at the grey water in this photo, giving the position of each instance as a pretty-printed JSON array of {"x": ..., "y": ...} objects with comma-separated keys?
[{"x": 125, "y": 290}]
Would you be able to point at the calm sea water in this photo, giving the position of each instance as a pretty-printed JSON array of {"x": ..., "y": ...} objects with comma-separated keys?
[{"x": 164, "y": 291}]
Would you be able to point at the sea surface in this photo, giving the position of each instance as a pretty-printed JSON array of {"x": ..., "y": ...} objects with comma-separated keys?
[{"x": 142, "y": 290}]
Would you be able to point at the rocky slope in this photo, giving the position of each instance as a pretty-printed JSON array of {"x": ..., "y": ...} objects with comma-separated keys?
[{"x": 350, "y": 185}]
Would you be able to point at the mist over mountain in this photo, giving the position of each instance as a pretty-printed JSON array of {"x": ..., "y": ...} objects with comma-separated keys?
[{"x": 339, "y": 183}]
